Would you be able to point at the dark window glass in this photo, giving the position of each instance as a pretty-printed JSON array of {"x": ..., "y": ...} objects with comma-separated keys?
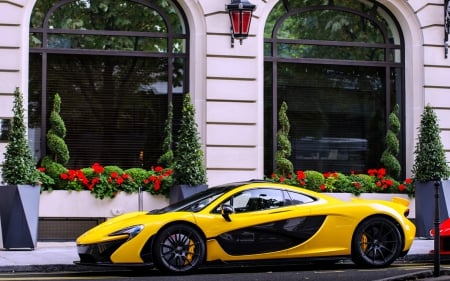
[
  {"x": 298, "y": 199},
  {"x": 338, "y": 66},
  {"x": 116, "y": 66},
  {"x": 256, "y": 200}
]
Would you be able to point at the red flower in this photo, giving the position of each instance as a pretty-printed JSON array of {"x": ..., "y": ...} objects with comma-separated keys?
[
  {"x": 159, "y": 169},
  {"x": 119, "y": 180},
  {"x": 72, "y": 174},
  {"x": 372, "y": 172},
  {"x": 381, "y": 173},
  {"x": 98, "y": 169},
  {"x": 157, "y": 185},
  {"x": 300, "y": 176},
  {"x": 401, "y": 187},
  {"x": 64, "y": 176},
  {"x": 323, "y": 187},
  {"x": 408, "y": 181},
  {"x": 41, "y": 169},
  {"x": 114, "y": 175}
]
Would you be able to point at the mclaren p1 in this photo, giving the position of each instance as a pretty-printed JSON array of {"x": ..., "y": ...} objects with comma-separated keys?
[{"x": 252, "y": 221}]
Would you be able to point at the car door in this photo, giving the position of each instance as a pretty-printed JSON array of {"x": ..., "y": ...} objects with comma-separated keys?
[{"x": 265, "y": 220}]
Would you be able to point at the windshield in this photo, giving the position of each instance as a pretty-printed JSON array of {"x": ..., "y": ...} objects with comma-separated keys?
[{"x": 198, "y": 201}]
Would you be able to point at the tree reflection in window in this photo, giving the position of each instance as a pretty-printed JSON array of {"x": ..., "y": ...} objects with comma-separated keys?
[
  {"x": 116, "y": 65},
  {"x": 339, "y": 67}
]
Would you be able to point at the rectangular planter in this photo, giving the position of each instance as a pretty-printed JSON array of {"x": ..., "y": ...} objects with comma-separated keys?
[
  {"x": 83, "y": 204},
  {"x": 425, "y": 201},
  {"x": 19, "y": 209}
]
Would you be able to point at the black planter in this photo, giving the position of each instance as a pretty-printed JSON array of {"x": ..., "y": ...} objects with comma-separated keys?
[
  {"x": 19, "y": 216},
  {"x": 182, "y": 191},
  {"x": 425, "y": 206}
]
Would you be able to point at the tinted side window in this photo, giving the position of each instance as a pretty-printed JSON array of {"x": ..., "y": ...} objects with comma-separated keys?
[
  {"x": 298, "y": 198},
  {"x": 256, "y": 200}
]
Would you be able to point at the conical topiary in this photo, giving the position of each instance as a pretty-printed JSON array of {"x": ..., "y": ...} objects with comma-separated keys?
[
  {"x": 284, "y": 165},
  {"x": 188, "y": 163},
  {"x": 430, "y": 163},
  {"x": 19, "y": 166},
  {"x": 390, "y": 154}
]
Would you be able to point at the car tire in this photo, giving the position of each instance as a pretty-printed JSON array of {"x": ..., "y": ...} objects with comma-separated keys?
[
  {"x": 377, "y": 242},
  {"x": 179, "y": 249}
]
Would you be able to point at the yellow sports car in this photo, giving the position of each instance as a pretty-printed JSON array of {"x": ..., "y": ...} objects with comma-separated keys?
[{"x": 248, "y": 221}]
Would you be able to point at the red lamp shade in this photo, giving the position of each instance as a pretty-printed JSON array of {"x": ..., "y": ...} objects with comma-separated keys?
[{"x": 240, "y": 12}]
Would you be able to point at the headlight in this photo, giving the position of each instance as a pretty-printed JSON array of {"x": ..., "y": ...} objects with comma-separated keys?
[{"x": 131, "y": 231}]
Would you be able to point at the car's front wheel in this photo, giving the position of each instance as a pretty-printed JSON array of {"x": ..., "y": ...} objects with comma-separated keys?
[
  {"x": 179, "y": 249},
  {"x": 377, "y": 242}
]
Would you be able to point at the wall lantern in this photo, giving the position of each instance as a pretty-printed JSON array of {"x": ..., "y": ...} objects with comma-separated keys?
[{"x": 240, "y": 16}]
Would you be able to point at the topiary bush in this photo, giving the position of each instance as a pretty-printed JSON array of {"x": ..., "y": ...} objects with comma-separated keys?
[
  {"x": 390, "y": 154},
  {"x": 58, "y": 150},
  {"x": 284, "y": 149},
  {"x": 19, "y": 166},
  {"x": 430, "y": 163},
  {"x": 188, "y": 163}
]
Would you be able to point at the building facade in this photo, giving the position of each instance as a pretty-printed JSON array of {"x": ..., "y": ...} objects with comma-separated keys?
[{"x": 231, "y": 87}]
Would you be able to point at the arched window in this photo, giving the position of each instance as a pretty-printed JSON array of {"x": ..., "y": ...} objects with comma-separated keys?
[
  {"x": 339, "y": 67},
  {"x": 116, "y": 65}
]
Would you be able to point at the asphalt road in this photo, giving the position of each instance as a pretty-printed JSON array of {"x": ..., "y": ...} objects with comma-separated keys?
[{"x": 343, "y": 271}]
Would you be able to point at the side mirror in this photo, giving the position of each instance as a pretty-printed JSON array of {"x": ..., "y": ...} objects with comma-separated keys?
[{"x": 226, "y": 211}]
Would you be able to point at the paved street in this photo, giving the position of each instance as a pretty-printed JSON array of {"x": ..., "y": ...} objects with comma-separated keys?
[{"x": 58, "y": 257}]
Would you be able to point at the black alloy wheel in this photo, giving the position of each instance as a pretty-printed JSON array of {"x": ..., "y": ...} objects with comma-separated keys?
[
  {"x": 179, "y": 249},
  {"x": 377, "y": 242}
]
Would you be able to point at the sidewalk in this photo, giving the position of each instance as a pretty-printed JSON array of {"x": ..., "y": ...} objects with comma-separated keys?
[{"x": 59, "y": 256}]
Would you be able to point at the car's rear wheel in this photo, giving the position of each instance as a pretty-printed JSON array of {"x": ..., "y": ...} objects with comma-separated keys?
[
  {"x": 377, "y": 242},
  {"x": 179, "y": 249}
]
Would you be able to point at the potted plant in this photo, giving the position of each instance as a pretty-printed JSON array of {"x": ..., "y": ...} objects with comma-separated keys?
[
  {"x": 392, "y": 147},
  {"x": 430, "y": 167},
  {"x": 189, "y": 173},
  {"x": 58, "y": 152},
  {"x": 19, "y": 197}
]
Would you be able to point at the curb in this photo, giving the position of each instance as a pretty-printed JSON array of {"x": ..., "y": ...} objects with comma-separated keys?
[{"x": 52, "y": 268}]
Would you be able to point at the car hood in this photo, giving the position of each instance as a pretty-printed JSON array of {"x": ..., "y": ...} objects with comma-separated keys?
[{"x": 151, "y": 222}]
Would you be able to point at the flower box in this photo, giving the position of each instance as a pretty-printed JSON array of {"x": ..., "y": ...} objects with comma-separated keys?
[{"x": 83, "y": 204}]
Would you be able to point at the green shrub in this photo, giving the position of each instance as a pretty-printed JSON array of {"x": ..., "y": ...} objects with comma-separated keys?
[
  {"x": 343, "y": 183},
  {"x": 19, "y": 166},
  {"x": 110, "y": 169},
  {"x": 430, "y": 162},
  {"x": 138, "y": 174},
  {"x": 314, "y": 180}
]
